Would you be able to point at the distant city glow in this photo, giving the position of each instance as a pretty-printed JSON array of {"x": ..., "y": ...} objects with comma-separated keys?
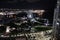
[
  {"x": 39, "y": 12},
  {"x": 2, "y": 13},
  {"x": 10, "y": 13}
]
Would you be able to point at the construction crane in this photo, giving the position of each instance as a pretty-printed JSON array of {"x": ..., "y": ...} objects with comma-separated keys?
[{"x": 56, "y": 22}]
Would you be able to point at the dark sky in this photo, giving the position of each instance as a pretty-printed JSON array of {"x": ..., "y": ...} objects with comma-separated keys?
[{"x": 42, "y": 4}]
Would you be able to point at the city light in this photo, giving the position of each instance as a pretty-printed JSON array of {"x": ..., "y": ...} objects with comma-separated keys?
[{"x": 2, "y": 13}]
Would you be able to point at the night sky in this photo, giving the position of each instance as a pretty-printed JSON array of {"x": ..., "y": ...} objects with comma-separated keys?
[
  {"x": 42, "y": 4},
  {"x": 47, "y": 5}
]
